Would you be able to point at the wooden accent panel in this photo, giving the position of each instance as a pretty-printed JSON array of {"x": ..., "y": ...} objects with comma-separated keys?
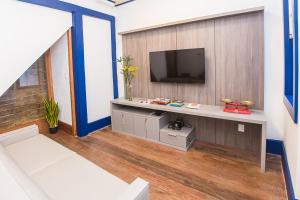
[
  {"x": 227, "y": 135},
  {"x": 234, "y": 69},
  {"x": 199, "y": 35},
  {"x": 134, "y": 45},
  {"x": 239, "y": 44},
  {"x": 206, "y": 129},
  {"x": 71, "y": 77},
  {"x": 49, "y": 73},
  {"x": 161, "y": 40}
]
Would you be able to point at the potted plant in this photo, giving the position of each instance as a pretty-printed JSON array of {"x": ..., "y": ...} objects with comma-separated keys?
[
  {"x": 129, "y": 72},
  {"x": 51, "y": 109}
]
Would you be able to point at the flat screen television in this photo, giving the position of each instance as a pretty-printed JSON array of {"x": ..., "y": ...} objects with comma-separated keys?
[{"x": 178, "y": 66}]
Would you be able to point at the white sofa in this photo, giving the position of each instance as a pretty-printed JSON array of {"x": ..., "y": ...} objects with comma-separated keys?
[{"x": 35, "y": 167}]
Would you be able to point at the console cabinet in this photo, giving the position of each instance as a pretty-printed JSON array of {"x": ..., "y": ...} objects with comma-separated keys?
[
  {"x": 143, "y": 123},
  {"x": 140, "y": 123},
  {"x": 151, "y": 127}
]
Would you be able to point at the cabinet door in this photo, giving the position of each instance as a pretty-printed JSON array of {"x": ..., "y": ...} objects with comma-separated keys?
[
  {"x": 128, "y": 119},
  {"x": 117, "y": 118},
  {"x": 152, "y": 127},
  {"x": 140, "y": 125}
]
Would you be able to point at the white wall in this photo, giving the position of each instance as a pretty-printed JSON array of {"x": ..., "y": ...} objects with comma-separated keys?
[
  {"x": 292, "y": 146},
  {"x": 98, "y": 67},
  {"x": 143, "y": 13},
  {"x": 27, "y": 31},
  {"x": 61, "y": 80}
]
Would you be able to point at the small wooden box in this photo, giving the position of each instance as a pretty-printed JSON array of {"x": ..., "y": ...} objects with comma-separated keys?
[{"x": 180, "y": 139}]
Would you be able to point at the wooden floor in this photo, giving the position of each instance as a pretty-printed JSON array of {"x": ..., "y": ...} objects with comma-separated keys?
[{"x": 201, "y": 173}]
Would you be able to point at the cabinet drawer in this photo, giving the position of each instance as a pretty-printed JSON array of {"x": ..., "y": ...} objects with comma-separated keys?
[{"x": 181, "y": 138}]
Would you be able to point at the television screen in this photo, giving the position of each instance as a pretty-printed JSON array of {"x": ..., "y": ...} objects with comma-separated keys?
[{"x": 179, "y": 66}]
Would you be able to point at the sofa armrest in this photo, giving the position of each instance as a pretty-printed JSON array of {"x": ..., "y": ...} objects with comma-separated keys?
[
  {"x": 138, "y": 190},
  {"x": 18, "y": 135},
  {"x": 33, "y": 191}
]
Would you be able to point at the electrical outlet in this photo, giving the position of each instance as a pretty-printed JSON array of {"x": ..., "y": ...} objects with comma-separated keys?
[{"x": 241, "y": 128}]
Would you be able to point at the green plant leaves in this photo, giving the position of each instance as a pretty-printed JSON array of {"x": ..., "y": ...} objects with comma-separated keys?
[{"x": 51, "y": 110}]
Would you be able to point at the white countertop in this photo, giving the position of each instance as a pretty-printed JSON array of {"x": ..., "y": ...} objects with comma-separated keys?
[{"x": 257, "y": 116}]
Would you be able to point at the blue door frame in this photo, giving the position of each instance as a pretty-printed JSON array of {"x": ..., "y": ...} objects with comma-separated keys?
[{"x": 83, "y": 127}]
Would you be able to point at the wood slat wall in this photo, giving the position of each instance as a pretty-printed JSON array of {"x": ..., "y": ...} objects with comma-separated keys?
[
  {"x": 199, "y": 35},
  {"x": 160, "y": 40},
  {"x": 239, "y": 58},
  {"x": 234, "y": 69}
]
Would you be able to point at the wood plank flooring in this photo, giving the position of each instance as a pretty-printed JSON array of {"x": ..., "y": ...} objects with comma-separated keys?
[{"x": 201, "y": 173}]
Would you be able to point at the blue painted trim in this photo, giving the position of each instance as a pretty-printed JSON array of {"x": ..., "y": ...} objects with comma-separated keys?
[
  {"x": 79, "y": 76},
  {"x": 83, "y": 127},
  {"x": 287, "y": 176},
  {"x": 291, "y": 62},
  {"x": 277, "y": 147},
  {"x": 296, "y": 60},
  {"x": 100, "y": 123},
  {"x": 114, "y": 58},
  {"x": 288, "y": 43},
  {"x": 55, "y": 4},
  {"x": 68, "y": 7}
]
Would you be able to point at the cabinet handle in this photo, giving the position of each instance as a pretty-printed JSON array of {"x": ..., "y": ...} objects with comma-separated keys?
[
  {"x": 145, "y": 126},
  {"x": 172, "y": 134}
]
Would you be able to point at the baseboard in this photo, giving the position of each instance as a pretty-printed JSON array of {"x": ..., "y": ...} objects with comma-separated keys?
[
  {"x": 65, "y": 127},
  {"x": 277, "y": 147}
]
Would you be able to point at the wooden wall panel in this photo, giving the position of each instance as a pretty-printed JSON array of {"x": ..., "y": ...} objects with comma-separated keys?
[
  {"x": 234, "y": 69},
  {"x": 227, "y": 135},
  {"x": 199, "y": 35},
  {"x": 239, "y": 58},
  {"x": 206, "y": 129},
  {"x": 134, "y": 45},
  {"x": 161, "y": 40}
]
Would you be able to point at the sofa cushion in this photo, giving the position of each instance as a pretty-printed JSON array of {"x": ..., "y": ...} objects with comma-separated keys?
[
  {"x": 77, "y": 178},
  {"x": 9, "y": 187},
  {"x": 36, "y": 153},
  {"x": 23, "y": 181}
]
